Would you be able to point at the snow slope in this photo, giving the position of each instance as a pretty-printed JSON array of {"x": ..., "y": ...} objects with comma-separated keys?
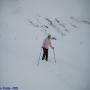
[{"x": 20, "y": 45}]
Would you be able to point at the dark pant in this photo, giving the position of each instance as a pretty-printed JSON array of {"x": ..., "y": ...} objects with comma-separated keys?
[{"x": 45, "y": 54}]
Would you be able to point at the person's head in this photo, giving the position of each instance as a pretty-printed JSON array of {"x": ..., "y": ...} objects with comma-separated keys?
[{"x": 49, "y": 36}]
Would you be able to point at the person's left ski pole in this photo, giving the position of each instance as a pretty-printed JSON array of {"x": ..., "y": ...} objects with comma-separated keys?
[
  {"x": 39, "y": 57},
  {"x": 54, "y": 56}
]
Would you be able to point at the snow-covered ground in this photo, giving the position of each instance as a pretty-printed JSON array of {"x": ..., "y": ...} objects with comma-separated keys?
[{"x": 21, "y": 40}]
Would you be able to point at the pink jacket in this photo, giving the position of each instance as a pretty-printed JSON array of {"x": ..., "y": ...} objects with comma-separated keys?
[{"x": 46, "y": 43}]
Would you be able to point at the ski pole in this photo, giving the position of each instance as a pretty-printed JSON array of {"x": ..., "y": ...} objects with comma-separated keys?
[
  {"x": 54, "y": 55},
  {"x": 39, "y": 57}
]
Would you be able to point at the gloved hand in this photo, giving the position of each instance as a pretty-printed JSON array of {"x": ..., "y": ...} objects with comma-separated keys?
[
  {"x": 53, "y": 38},
  {"x": 52, "y": 47}
]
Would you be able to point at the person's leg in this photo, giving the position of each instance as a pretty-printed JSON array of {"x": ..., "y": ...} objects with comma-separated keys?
[
  {"x": 43, "y": 54},
  {"x": 46, "y": 53}
]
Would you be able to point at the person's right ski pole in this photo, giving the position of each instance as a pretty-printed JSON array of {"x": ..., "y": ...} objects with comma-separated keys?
[
  {"x": 54, "y": 56},
  {"x": 39, "y": 57}
]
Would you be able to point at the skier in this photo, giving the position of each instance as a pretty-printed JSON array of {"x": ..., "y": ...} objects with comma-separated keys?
[{"x": 45, "y": 46}]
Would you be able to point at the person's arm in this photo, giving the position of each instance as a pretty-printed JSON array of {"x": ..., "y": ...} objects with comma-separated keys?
[
  {"x": 53, "y": 38},
  {"x": 50, "y": 44}
]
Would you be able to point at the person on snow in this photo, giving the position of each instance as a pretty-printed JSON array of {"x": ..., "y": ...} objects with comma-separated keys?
[{"x": 45, "y": 46}]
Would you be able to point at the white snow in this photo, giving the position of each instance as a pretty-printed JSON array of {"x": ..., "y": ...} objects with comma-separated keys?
[{"x": 20, "y": 45}]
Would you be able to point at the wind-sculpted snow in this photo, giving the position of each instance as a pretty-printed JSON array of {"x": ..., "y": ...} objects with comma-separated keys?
[
  {"x": 35, "y": 25},
  {"x": 57, "y": 25},
  {"x": 56, "y": 28},
  {"x": 61, "y": 24},
  {"x": 80, "y": 20},
  {"x": 85, "y": 21},
  {"x": 74, "y": 25},
  {"x": 74, "y": 19}
]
